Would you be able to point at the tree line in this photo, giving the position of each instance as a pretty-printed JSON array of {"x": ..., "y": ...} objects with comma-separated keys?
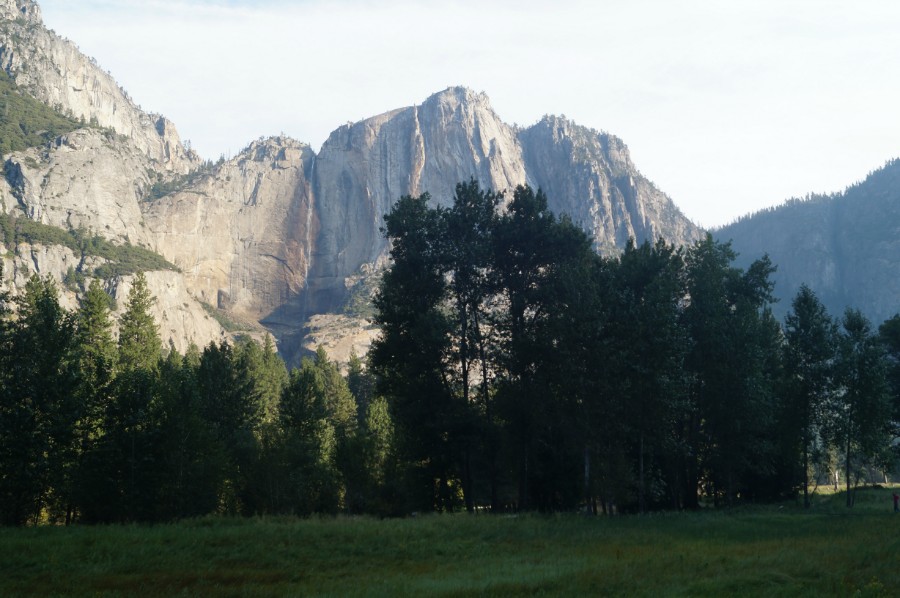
[
  {"x": 98, "y": 429},
  {"x": 516, "y": 370},
  {"x": 525, "y": 371}
]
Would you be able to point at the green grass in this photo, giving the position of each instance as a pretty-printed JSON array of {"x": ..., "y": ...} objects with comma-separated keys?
[{"x": 750, "y": 551}]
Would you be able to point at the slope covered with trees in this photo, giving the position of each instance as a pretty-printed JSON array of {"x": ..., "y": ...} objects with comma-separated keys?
[
  {"x": 842, "y": 246},
  {"x": 26, "y": 122}
]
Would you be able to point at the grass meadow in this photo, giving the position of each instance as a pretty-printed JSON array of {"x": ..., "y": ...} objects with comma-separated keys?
[{"x": 748, "y": 551}]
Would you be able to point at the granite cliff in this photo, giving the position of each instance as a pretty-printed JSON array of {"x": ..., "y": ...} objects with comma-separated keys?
[
  {"x": 94, "y": 178},
  {"x": 55, "y": 72},
  {"x": 280, "y": 234}
]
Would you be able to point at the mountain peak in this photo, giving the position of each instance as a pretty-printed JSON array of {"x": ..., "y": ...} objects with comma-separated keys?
[
  {"x": 458, "y": 92},
  {"x": 459, "y": 96},
  {"x": 20, "y": 9},
  {"x": 55, "y": 72}
]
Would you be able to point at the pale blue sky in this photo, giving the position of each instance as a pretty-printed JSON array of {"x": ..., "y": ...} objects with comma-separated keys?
[{"x": 728, "y": 107}]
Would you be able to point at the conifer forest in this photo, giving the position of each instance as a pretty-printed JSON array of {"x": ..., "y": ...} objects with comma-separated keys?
[{"x": 516, "y": 370}]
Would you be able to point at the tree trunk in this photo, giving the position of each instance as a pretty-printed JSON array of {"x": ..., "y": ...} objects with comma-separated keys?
[
  {"x": 489, "y": 416},
  {"x": 444, "y": 493},
  {"x": 464, "y": 367},
  {"x": 468, "y": 494},
  {"x": 587, "y": 479},
  {"x": 849, "y": 502},
  {"x": 523, "y": 480},
  {"x": 641, "y": 494},
  {"x": 805, "y": 474},
  {"x": 691, "y": 481}
]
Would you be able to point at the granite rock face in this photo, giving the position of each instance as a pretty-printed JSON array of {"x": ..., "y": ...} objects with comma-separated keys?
[
  {"x": 181, "y": 319},
  {"x": 589, "y": 176},
  {"x": 87, "y": 179},
  {"x": 243, "y": 235},
  {"x": 55, "y": 72},
  {"x": 364, "y": 168},
  {"x": 453, "y": 136},
  {"x": 278, "y": 234}
]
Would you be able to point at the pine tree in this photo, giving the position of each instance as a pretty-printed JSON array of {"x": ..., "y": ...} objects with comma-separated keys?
[
  {"x": 37, "y": 439},
  {"x": 311, "y": 441},
  {"x": 125, "y": 486},
  {"x": 139, "y": 344},
  {"x": 361, "y": 384},
  {"x": 95, "y": 362},
  {"x": 860, "y": 409},
  {"x": 191, "y": 462},
  {"x": 809, "y": 364}
]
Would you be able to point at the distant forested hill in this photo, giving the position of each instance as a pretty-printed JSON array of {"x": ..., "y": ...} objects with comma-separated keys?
[{"x": 846, "y": 246}]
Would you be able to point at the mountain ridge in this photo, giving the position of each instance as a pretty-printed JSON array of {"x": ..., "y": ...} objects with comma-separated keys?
[
  {"x": 845, "y": 246},
  {"x": 280, "y": 233}
]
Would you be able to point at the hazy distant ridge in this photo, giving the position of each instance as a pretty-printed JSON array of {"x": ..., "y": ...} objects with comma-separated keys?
[{"x": 846, "y": 246}]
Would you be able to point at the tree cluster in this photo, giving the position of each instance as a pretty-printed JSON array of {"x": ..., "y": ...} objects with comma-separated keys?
[
  {"x": 524, "y": 371},
  {"x": 25, "y": 122},
  {"x": 516, "y": 370},
  {"x": 96, "y": 429}
]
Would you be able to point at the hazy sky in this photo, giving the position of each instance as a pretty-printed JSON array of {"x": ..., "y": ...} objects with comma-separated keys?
[{"x": 728, "y": 106}]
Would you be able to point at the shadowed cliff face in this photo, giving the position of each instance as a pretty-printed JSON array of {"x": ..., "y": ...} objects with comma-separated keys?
[{"x": 845, "y": 247}]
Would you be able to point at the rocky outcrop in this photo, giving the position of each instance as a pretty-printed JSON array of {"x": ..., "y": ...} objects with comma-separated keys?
[
  {"x": 589, "y": 176},
  {"x": 25, "y": 260},
  {"x": 845, "y": 247},
  {"x": 181, "y": 319},
  {"x": 54, "y": 71},
  {"x": 339, "y": 335},
  {"x": 243, "y": 234},
  {"x": 87, "y": 179}
]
